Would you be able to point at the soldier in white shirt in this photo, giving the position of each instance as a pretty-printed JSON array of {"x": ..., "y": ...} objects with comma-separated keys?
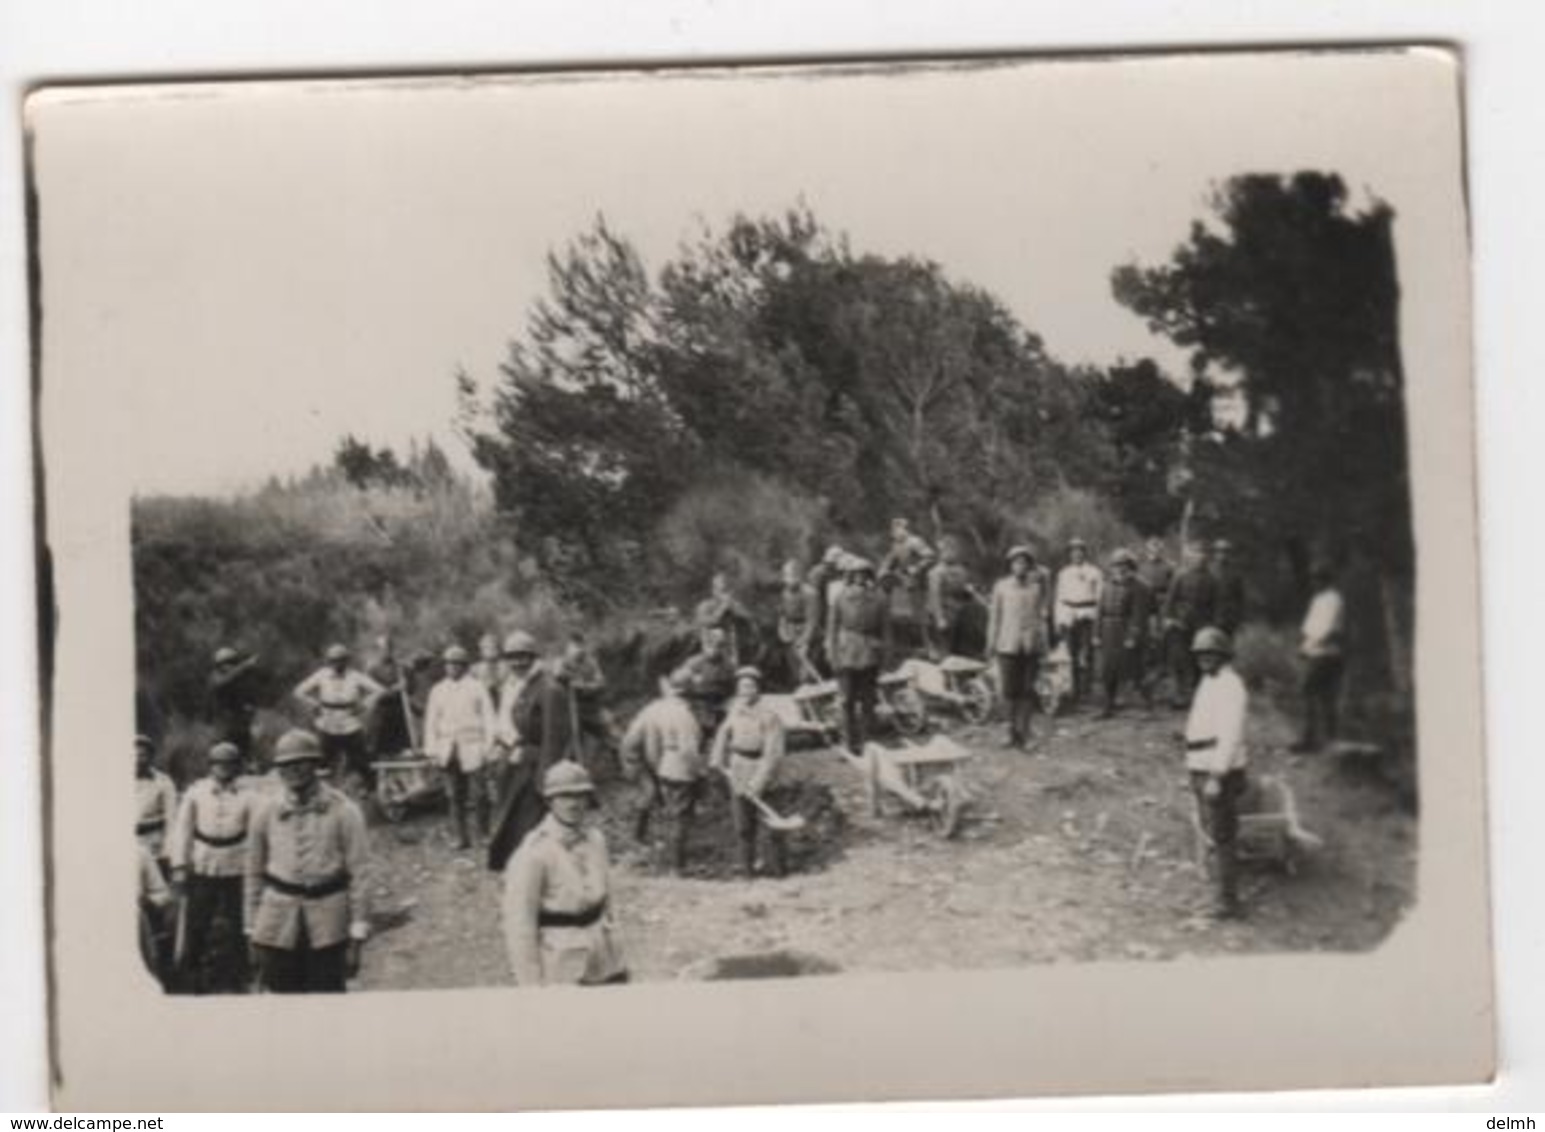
[
  {"x": 1216, "y": 756},
  {"x": 209, "y": 862},
  {"x": 340, "y": 700},
  {"x": 155, "y": 802},
  {"x": 557, "y": 920},
  {"x": 1323, "y": 650},
  {"x": 1077, "y": 612},
  {"x": 459, "y": 730}
]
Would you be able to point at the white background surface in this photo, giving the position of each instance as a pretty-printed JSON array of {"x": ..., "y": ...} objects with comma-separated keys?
[{"x": 68, "y": 40}]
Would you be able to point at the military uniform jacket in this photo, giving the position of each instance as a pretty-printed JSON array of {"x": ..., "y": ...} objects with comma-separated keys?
[
  {"x": 1193, "y": 598},
  {"x": 557, "y": 924},
  {"x": 855, "y": 639},
  {"x": 306, "y": 866}
]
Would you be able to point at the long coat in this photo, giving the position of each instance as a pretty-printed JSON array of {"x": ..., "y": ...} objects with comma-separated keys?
[{"x": 546, "y": 717}]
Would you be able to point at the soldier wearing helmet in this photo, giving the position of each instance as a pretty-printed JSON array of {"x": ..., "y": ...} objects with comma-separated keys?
[
  {"x": 233, "y": 698},
  {"x": 459, "y": 728},
  {"x": 557, "y": 919},
  {"x": 1077, "y": 612},
  {"x": 209, "y": 862},
  {"x": 664, "y": 746},
  {"x": 857, "y": 639},
  {"x": 306, "y": 909},
  {"x": 1018, "y": 626},
  {"x": 340, "y": 699},
  {"x": 1216, "y": 756},
  {"x": 1123, "y": 625},
  {"x": 748, "y": 749}
]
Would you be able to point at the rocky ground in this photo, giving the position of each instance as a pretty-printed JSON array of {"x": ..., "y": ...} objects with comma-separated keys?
[{"x": 1080, "y": 850}]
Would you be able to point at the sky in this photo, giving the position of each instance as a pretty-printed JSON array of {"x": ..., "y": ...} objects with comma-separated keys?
[{"x": 255, "y": 271}]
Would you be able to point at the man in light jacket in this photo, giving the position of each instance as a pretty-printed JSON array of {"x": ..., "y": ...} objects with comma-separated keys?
[
  {"x": 1216, "y": 756},
  {"x": 1018, "y": 620},
  {"x": 459, "y": 727},
  {"x": 1323, "y": 650}
]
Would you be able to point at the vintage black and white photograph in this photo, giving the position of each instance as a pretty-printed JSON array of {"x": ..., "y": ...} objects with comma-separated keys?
[{"x": 774, "y": 525}]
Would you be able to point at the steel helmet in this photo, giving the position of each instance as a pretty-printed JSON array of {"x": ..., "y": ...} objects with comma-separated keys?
[
  {"x": 1020, "y": 551},
  {"x": 566, "y": 778},
  {"x": 749, "y": 672},
  {"x": 455, "y": 655},
  {"x": 520, "y": 643},
  {"x": 296, "y": 746},
  {"x": 223, "y": 752},
  {"x": 226, "y": 655},
  {"x": 1213, "y": 640},
  {"x": 1123, "y": 557},
  {"x": 337, "y": 652}
]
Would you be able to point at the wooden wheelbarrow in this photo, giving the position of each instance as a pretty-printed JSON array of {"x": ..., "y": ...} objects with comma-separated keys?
[{"x": 1269, "y": 829}]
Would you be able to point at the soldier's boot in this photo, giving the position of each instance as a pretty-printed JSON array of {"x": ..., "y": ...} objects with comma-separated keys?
[
  {"x": 777, "y": 855},
  {"x": 482, "y": 810},
  {"x": 871, "y": 782},
  {"x": 463, "y": 841}
]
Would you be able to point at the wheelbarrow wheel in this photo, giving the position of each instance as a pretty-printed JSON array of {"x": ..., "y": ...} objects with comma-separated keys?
[
  {"x": 393, "y": 811},
  {"x": 978, "y": 704},
  {"x": 909, "y": 711},
  {"x": 946, "y": 801}
]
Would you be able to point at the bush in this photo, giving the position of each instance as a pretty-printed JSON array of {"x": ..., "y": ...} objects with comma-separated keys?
[
  {"x": 288, "y": 570},
  {"x": 1063, "y": 513},
  {"x": 1267, "y": 657}
]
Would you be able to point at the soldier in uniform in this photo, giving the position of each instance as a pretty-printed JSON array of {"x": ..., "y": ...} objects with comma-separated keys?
[
  {"x": 459, "y": 728},
  {"x": 797, "y": 613},
  {"x": 155, "y": 803},
  {"x": 722, "y": 610},
  {"x": 710, "y": 680},
  {"x": 1216, "y": 757},
  {"x": 557, "y": 919},
  {"x": 306, "y": 883},
  {"x": 1077, "y": 609},
  {"x": 1018, "y": 625},
  {"x": 748, "y": 749},
  {"x": 1123, "y": 625},
  {"x": 209, "y": 864},
  {"x": 1190, "y": 606},
  {"x": 233, "y": 699},
  {"x": 340, "y": 699},
  {"x": 949, "y": 601},
  {"x": 905, "y": 568},
  {"x": 1229, "y": 610},
  {"x": 856, "y": 638},
  {"x": 664, "y": 744}
]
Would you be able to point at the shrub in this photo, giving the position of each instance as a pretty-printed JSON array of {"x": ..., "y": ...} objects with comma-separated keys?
[{"x": 1267, "y": 657}]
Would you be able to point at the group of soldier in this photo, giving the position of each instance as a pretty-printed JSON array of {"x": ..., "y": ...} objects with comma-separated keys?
[
  {"x": 249, "y": 880},
  {"x": 262, "y": 878}
]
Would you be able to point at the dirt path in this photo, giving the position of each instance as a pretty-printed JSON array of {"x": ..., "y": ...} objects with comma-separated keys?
[{"x": 1081, "y": 850}]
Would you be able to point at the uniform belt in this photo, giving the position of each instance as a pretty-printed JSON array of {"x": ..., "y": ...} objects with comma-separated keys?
[
  {"x": 581, "y": 919},
  {"x": 154, "y": 825},
  {"x": 220, "y": 842},
  {"x": 752, "y": 754},
  {"x": 1080, "y": 604},
  {"x": 309, "y": 891},
  {"x": 1201, "y": 744}
]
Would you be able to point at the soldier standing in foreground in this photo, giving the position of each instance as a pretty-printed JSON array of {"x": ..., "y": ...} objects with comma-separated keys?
[
  {"x": 1216, "y": 757},
  {"x": 306, "y": 912},
  {"x": 557, "y": 923},
  {"x": 209, "y": 864}
]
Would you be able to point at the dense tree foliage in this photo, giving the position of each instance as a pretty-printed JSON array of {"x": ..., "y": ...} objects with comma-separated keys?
[
  {"x": 1288, "y": 299},
  {"x": 856, "y": 386}
]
